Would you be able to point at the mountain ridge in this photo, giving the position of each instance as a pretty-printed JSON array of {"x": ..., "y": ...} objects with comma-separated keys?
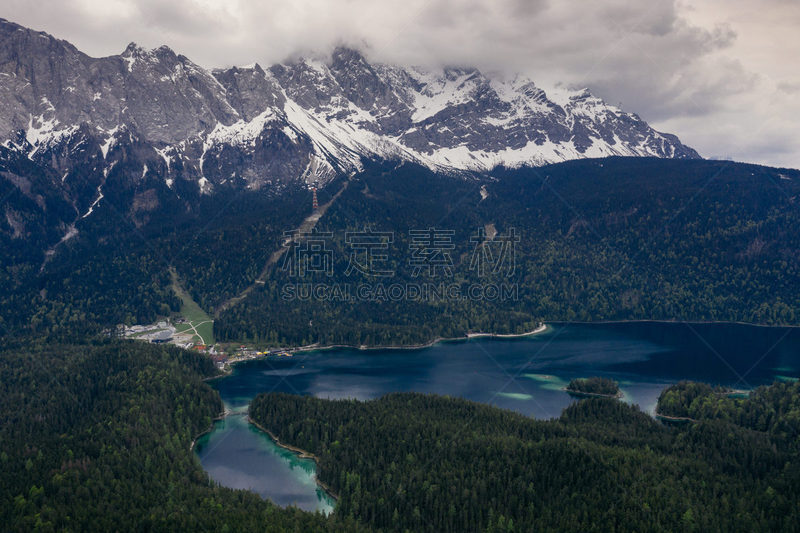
[{"x": 304, "y": 120}]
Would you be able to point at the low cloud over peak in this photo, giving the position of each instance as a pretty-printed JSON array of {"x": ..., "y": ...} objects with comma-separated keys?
[{"x": 721, "y": 74}]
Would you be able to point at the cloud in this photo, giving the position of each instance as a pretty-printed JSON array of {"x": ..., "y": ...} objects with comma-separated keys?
[
  {"x": 788, "y": 87},
  {"x": 709, "y": 71}
]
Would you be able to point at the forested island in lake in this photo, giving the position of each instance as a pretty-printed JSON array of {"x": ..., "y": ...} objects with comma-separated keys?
[{"x": 594, "y": 386}]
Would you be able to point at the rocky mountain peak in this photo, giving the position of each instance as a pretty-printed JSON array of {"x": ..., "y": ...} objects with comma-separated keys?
[
  {"x": 132, "y": 49},
  {"x": 304, "y": 119}
]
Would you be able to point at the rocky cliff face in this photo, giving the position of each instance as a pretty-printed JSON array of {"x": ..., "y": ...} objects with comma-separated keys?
[{"x": 160, "y": 116}]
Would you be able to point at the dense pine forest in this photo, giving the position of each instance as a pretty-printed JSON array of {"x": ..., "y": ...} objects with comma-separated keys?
[
  {"x": 774, "y": 410},
  {"x": 413, "y": 462},
  {"x": 97, "y": 438},
  {"x": 96, "y": 433},
  {"x": 681, "y": 240},
  {"x": 593, "y": 385},
  {"x": 617, "y": 239}
]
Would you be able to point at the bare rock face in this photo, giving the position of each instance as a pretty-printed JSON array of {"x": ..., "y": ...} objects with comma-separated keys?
[{"x": 149, "y": 115}]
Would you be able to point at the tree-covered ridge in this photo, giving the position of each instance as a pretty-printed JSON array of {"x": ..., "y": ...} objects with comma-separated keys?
[
  {"x": 97, "y": 438},
  {"x": 425, "y": 463},
  {"x": 774, "y": 409},
  {"x": 679, "y": 399},
  {"x": 612, "y": 239},
  {"x": 395, "y": 201},
  {"x": 115, "y": 270},
  {"x": 594, "y": 385}
]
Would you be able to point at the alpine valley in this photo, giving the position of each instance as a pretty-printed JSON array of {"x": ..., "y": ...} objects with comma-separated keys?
[{"x": 127, "y": 167}]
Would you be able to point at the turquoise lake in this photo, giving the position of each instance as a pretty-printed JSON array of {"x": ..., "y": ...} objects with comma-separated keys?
[{"x": 524, "y": 375}]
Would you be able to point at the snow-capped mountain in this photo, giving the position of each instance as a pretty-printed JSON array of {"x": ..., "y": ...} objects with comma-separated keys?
[{"x": 156, "y": 112}]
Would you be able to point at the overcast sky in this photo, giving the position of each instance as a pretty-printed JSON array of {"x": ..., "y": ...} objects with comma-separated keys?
[{"x": 724, "y": 75}]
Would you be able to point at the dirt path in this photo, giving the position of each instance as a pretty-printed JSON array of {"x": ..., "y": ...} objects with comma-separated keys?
[
  {"x": 674, "y": 418},
  {"x": 202, "y": 340},
  {"x": 193, "y": 313},
  {"x": 305, "y": 227}
]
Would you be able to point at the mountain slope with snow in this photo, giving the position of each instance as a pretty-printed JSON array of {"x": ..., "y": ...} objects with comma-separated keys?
[{"x": 305, "y": 120}]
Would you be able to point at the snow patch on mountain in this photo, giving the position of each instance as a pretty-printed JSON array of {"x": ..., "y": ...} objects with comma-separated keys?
[
  {"x": 440, "y": 92},
  {"x": 109, "y": 141},
  {"x": 43, "y": 133},
  {"x": 96, "y": 201},
  {"x": 240, "y": 133}
]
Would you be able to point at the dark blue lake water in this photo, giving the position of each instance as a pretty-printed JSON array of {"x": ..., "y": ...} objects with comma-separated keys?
[{"x": 525, "y": 375}]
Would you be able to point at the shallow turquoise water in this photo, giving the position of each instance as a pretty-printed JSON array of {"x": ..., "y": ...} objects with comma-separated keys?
[
  {"x": 239, "y": 455},
  {"x": 525, "y": 375}
]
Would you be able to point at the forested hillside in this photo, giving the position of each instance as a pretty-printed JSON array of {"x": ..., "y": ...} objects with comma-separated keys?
[
  {"x": 610, "y": 239},
  {"x": 114, "y": 268},
  {"x": 97, "y": 437},
  {"x": 774, "y": 410},
  {"x": 426, "y": 463},
  {"x": 593, "y": 386}
]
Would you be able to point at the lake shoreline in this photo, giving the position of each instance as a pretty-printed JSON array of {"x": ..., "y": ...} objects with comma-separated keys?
[
  {"x": 209, "y": 429},
  {"x": 223, "y": 373},
  {"x": 674, "y": 321},
  {"x": 581, "y": 394},
  {"x": 302, "y": 454},
  {"x": 366, "y": 348},
  {"x": 646, "y": 359},
  {"x": 539, "y": 329},
  {"x": 481, "y": 335}
]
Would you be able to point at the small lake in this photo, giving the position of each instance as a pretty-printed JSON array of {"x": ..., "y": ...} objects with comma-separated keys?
[
  {"x": 237, "y": 454},
  {"x": 524, "y": 375}
]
